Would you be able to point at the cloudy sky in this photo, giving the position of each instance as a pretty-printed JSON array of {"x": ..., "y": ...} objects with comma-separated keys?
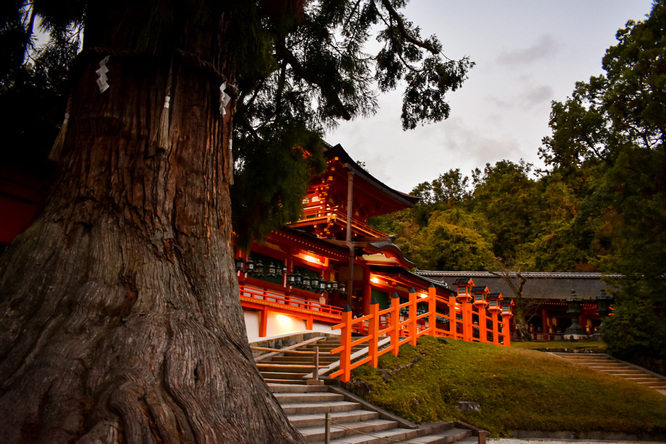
[{"x": 527, "y": 54}]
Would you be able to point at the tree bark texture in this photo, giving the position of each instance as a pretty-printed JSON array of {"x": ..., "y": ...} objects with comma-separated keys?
[{"x": 121, "y": 320}]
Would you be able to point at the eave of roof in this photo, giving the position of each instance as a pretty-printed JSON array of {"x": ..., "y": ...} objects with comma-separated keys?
[
  {"x": 527, "y": 274},
  {"x": 400, "y": 270},
  {"x": 538, "y": 285},
  {"x": 339, "y": 152}
]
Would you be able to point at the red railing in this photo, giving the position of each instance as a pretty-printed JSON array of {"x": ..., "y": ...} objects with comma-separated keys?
[
  {"x": 402, "y": 329},
  {"x": 288, "y": 303},
  {"x": 317, "y": 213}
]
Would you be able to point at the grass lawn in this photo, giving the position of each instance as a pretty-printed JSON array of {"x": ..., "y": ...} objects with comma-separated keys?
[{"x": 516, "y": 389}]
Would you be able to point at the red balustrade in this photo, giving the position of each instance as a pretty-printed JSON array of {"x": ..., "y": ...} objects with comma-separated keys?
[
  {"x": 402, "y": 329},
  {"x": 266, "y": 301}
]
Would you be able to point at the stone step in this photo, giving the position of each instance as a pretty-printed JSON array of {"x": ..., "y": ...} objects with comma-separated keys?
[
  {"x": 371, "y": 427},
  {"x": 644, "y": 379},
  {"x": 319, "y": 407},
  {"x": 653, "y": 385},
  {"x": 283, "y": 375},
  {"x": 447, "y": 436},
  {"x": 295, "y": 398},
  {"x": 294, "y": 368},
  {"x": 319, "y": 420},
  {"x": 469, "y": 440},
  {"x": 284, "y": 381},
  {"x": 306, "y": 405},
  {"x": 296, "y": 388},
  {"x": 613, "y": 367},
  {"x": 303, "y": 360},
  {"x": 624, "y": 372},
  {"x": 610, "y": 365}
]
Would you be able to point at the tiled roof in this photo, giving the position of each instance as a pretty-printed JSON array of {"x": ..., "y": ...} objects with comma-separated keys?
[{"x": 538, "y": 285}]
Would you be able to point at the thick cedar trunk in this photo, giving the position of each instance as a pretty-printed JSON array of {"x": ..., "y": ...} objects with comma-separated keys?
[{"x": 121, "y": 320}]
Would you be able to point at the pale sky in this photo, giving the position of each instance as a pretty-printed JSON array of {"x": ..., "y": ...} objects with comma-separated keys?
[{"x": 527, "y": 53}]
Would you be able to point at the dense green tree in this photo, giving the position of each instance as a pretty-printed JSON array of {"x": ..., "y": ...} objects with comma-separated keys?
[
  {"x": 445, "y": 245},
  {"x": 506, "y": 196},
  {"x": 447, "y": 191},
  {"x": 611, "y": 133},
  {"x": 120, "y": 311}
]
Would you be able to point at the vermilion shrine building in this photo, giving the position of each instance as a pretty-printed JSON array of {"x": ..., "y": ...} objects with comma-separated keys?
[{"x": 303, "y": 275}]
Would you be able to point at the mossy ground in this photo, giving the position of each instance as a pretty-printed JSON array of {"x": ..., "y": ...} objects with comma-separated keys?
[{"x": 516, "y": 389}]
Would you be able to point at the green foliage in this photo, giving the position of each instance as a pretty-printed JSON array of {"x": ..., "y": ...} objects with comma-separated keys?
[
  {"x": 613, "y": 130},
  {"x": 635, "y": 329},
  {"x": 516, "y": 390},
  {"x": 272, "y": 179},
  {"x": 507, "y": 197},
  {"x": 443, "y": 245}
]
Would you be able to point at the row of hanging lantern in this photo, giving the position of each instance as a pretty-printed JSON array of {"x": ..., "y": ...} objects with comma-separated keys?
[
  {"x": 295, "y": 279},
  {"x": 257, "y": 268},
  {"x": 314, "y": 283}
]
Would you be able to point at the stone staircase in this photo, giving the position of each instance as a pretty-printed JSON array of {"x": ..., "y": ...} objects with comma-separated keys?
[
  {"x": 307, "y": 402},
  {"x": 607, "y": 364}
]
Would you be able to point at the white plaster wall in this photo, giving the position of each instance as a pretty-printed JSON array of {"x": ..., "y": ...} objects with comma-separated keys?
[
  {"x": 280, "y": 325},
  {"x": 252, "y": 324}
]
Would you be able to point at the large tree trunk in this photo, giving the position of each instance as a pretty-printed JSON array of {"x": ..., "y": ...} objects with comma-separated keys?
[{"x": 121, "y": 320}]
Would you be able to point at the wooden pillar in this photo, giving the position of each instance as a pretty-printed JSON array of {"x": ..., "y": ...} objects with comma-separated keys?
[
  {"x": 506, "y": 328},
  {"x": 348, "y": 234},
  {"x": 496, "y": 329},
  {"x": 263, "y": 322},
  {"x": 483, "y": 325},
  {"x": 367, "y": 292},
  {"x": 412, "y": 316},
  {"x": 432, "y": 305},
  {"x": 395, "y": 321},
  {"x": 345, "y": 347},
  {"x": 467, "y": 321},
  {"x": 373, "y": 344}
]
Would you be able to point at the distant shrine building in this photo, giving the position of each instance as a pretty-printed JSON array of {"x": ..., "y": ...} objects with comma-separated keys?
[
  {"x": 558, "y": 305},
  {"x": 302, "y": 277}
]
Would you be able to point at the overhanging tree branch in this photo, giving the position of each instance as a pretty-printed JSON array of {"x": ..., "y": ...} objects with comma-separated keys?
[
  {"x": 405, "y": 32},
  {"x": 329, "y": 93}
]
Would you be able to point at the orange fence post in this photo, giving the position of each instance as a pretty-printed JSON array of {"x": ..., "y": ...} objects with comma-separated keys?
[
  {"x": 453, "y": 322},
  {"x": 373, "y": 344},
  {"x": 506, "y": 328},
  {"x": 412, "y": 316},
  {"x": 395, "y": 321},
  {"x": 496, "y": 329},
  {"x": 432, "y": 319},
  {"x": 483, "y": 322},
  {"x": 345, "y": 345},
  {"x": 466, "y": 321}
]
